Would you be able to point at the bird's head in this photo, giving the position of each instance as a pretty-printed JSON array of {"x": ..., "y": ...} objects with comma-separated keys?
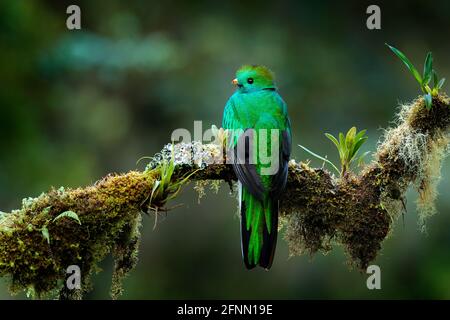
[{"x": 251, "y": 78}]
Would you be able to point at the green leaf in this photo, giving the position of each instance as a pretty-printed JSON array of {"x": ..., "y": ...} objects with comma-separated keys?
[
  {"x": 320, "y": 157},
  {"x": 360, "y": 135},
  {"x": 357, "y": 146},
  {"x": 333, "y": 139},
  {"x": 168, "y": 169},
  {"x": 45, "y": 234},
  {"x": 179, "y": 184},
  {"x": 142, "y": 158},
  {"x": 426, "y": 80},
  {"x": 350, "y": 136},
  {"x": 68, "y": 214},
  {"x": 155, "y": 186},
  {"x": 342, "y": 146},
  {"x": 428, "y": 68},
  {"x": 342, "y": 140},
  {"x": 349, "y": 143},
  {"x": 428, "y": 101},
  {"x": 435, "y": 79},
  {"x": 441, "y": 83},
  {"x": 407, "y": 63}
]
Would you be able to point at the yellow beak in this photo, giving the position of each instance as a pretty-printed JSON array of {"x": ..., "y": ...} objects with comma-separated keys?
[{"x": 235, "y": 82}]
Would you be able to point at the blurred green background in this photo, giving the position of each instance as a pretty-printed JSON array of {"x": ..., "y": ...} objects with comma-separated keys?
[{"x": 75, "y": 105}]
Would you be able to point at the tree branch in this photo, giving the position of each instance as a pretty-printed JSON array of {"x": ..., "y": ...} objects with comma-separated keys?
[{"x": 318, "y": 209}]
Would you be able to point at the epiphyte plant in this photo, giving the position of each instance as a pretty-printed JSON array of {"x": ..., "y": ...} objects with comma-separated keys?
[
  {"x": 348, "y": 147},
  {"x": 424, "y": 80},
  {"x": 165, "y": 187}
]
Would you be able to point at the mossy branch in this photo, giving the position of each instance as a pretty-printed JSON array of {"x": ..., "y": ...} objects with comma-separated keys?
[{"x": 318, "y": 209}]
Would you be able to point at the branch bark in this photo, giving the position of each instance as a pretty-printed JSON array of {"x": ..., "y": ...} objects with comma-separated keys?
[{"x": 318, "y": 209}]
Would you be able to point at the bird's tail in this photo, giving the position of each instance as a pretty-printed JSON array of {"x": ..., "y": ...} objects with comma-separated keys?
[{"x": 259, "y": 229}]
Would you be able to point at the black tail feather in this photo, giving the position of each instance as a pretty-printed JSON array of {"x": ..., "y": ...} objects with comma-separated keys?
[
  {"x": 270, "y": 239},
  {"x": 245, "y": 237}
]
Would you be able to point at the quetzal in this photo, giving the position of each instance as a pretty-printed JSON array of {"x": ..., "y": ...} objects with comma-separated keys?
[{"x": 254, "y": 110}]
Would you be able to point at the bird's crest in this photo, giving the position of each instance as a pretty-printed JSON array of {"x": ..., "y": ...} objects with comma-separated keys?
[{"x": 263, "y": 71}]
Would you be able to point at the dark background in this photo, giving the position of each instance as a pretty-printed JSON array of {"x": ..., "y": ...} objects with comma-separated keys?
[{"x": 75, "y": 105}]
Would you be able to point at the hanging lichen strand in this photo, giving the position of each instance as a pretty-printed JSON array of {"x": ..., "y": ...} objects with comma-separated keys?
[
  {"x": 318, "y": 209},
  {"x": 358, "y": 210}
]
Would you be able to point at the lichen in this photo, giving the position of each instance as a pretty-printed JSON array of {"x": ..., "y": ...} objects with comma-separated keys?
[
  {"x": 200, "y": 187},
  {"x": 311, "y": 227},
  {"x": 106, "y": 210},
  {"x": 318, "y": 210},
  {"x": 413, "y": 152},
  {"x": 125, "y": 253},
  {"x": 358, "y": 210},
  {"x": 430, "y": 177}
]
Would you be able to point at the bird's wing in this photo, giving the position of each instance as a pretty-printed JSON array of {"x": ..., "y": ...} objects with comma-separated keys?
[
  {"x": 280, "y": 178},
  {"x": 241, "y": 151}
]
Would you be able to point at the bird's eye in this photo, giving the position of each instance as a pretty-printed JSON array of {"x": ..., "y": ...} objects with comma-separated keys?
[{"x": 250, "y": 80}]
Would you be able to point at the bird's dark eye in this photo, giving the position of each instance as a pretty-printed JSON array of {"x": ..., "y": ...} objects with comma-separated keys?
[{"x": 250, "y": 80}]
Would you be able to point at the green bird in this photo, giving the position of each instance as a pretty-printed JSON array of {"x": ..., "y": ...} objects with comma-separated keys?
[{"x": 259, "y": 128}]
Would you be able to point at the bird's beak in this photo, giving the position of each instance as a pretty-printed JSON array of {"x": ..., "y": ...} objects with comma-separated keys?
[{"x": 234, "y": 82}]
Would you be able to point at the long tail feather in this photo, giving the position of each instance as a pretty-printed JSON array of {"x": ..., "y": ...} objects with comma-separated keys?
[
  {"x": 258, "y": 237},
  {"x": 270, "y": 239},
  {"x": 245, "y": 237}
]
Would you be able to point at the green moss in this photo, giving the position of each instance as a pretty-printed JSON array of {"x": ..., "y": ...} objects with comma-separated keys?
[
  {"x": 107, "y": 210},
  {"x": 318, "y": 210},
  {"x": 125, "y": 253},
  {"x": 358, "y": 211}
]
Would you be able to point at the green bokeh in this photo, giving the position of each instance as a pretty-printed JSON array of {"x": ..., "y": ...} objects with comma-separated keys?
[{"x": 75, "y": 105}]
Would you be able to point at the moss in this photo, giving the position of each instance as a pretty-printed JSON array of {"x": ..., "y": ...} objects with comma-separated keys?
[
  {"x": 329, "y": 211},
  {"x": 318, "y": 210},
  {"x": 125, "y": 253},
  {"x": 358, "y": 210},
  {"x": 430, "y": 176},
  {"x": 413, "y": 151},
  {"x": 106, "y": 211},
  {"x": 431, "y": 121},
  {"x": 366, "y": 223},
  {"x": 311, "y": 219}
]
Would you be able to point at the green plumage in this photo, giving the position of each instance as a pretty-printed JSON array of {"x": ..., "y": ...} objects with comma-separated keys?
[{"x": 257, "y": 105}]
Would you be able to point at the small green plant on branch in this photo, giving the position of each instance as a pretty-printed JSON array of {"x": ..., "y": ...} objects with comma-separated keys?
[
  {"x": 83, "y": 226},
  {"x": 165, "y": 187},
  {"x": 424, "y": 80},
  {"x": 65, "y": 214},
  {"x": 324, "y": 159},
  {"x": 348, "y": 147}
]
